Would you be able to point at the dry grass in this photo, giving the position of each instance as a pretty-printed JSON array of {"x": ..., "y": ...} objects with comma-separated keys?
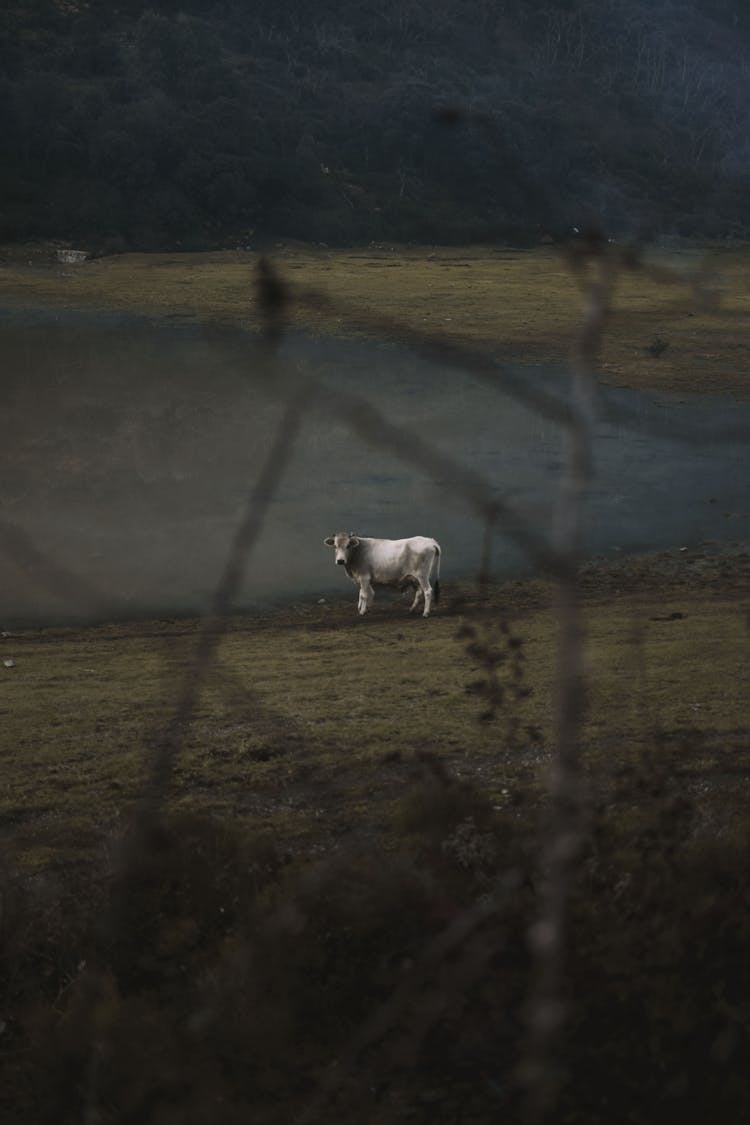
[
  {"x": 311, "y": 718},
  {"x": 522, "y": 304}
]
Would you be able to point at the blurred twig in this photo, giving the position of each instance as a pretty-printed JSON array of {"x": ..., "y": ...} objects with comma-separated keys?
[
  {"x": 18, "y": 546},
  {"x": 546, "y": 1009},
  {"x": 371, "y": 424},
  {"x": 452, "y": 352},
  {"x": 395, "y": 1010},
  {"x": 214, "y": 624},
  {"x": 276, "y": 297}
]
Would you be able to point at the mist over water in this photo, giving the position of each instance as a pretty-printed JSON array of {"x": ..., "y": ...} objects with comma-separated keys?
[{"x": 129, "y": 449}]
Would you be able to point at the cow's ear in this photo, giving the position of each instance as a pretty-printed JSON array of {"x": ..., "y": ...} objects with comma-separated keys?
[
  {"x": 353, "y": 541},
  {"x": 329, "y": 541}
]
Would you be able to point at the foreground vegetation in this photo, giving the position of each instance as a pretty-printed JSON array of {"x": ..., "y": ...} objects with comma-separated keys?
[{"x": 330, "y": 916}]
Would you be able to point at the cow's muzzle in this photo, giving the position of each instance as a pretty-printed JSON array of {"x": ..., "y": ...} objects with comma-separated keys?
[{"x": 340, "y": 562}]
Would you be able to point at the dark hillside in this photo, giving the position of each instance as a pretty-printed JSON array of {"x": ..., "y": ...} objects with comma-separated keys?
[{"x": 194, "y": 122}]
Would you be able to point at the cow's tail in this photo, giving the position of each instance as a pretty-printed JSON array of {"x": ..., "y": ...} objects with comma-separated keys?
[{"x": 436, "y": 587}]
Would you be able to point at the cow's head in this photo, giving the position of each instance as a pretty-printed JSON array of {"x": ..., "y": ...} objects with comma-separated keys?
[{"x": 344, "y": 543}]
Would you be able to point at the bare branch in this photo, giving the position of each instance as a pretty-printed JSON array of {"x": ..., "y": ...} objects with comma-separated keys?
[
  {"x": 214, "y": 624},
  {"x": 19, "y": 547},
  {"x": 396, "y": 1007},
  {"x": 546, "y": 1009}
]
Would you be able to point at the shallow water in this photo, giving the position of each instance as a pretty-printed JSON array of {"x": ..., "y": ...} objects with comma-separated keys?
[{"x": 129, "y": 449}]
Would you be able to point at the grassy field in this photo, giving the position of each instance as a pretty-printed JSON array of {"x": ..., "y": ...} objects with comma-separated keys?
[
  {"x": 523, "y": 305},
  {"x": 330, "y": 923},
  {"x": 312, "y": 721}
]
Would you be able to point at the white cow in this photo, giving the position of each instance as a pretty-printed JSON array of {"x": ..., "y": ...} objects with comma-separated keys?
[{"x": 388, "y": 562}]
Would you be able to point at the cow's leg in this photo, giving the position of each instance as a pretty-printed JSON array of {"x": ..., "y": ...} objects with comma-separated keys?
[
  {"x": 425, "y": 590},
  {"x": 366, "y": 595},
  {"x": 417, "y": 598}
]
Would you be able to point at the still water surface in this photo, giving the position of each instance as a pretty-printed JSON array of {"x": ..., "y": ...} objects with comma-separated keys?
[{"x": 129, "y": 449}]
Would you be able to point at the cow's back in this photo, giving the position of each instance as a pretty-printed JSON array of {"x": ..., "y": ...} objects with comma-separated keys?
[{"x": 389, "y": 561}]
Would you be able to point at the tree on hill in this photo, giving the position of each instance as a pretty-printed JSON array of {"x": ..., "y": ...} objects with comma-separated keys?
[{"x": 156, "y": 121}]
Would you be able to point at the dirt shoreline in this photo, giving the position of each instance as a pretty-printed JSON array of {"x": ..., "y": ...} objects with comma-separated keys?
[
  {"x": 680, "y": 321},
  {"x": 721, "y": 567}
]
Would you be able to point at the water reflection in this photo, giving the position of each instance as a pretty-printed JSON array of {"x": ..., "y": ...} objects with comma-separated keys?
[{"x": 129, "y": 449}]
